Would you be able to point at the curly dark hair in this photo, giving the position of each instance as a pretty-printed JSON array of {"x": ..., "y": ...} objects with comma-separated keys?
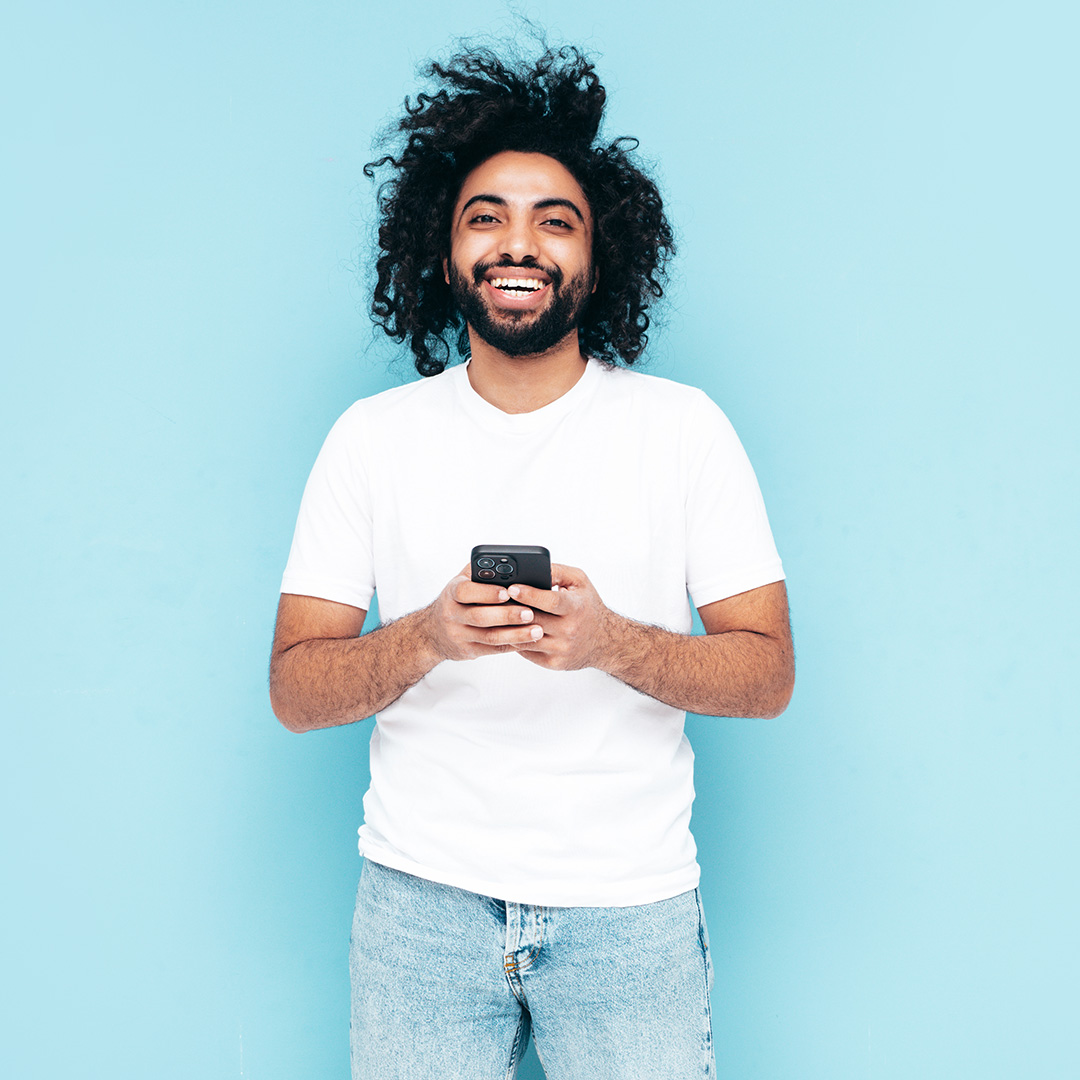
[{"x": 483, "y": 106}]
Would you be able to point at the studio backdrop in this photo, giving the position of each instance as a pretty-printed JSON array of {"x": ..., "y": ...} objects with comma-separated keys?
[{"x": 877, "y": 228}]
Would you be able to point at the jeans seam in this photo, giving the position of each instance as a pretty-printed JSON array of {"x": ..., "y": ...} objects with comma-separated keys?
[
  {"x": 703, "y": 942},
  {"x": 517, "y": 1050},
  {"x": 534, "y": 950},
  {"x": 511, "y": 963}
]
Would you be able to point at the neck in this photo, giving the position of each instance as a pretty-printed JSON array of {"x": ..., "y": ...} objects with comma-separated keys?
[{"x": 519, "y": 384}]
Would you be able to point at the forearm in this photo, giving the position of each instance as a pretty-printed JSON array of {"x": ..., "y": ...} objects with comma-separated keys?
[
  {"x": 326, "y": 682},
  {"x": 735, "y": 673}
]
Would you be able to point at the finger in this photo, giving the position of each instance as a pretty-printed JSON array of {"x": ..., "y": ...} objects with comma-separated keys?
[
  {"x": 534, "y": 646},
  {"x": 552, "y": 601},
  {"x": 513, "y": 635},
  {"x": 465, "y": 591},
  {"x": 535, "y": 654},
  {"x": 492, "y": 650},
  {"x": 505, "y": 615}
]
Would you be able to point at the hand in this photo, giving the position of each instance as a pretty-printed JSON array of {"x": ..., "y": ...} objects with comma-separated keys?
[
  {"x": 470, "y": 619},
  {"x": 579, "y": 630}
]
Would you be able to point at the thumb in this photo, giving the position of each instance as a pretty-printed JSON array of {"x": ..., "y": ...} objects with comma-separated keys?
[{"x": 567, "y": 577}]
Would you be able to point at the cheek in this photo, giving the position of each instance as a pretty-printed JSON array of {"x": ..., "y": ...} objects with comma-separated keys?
[{"x": 463, "y": 257}]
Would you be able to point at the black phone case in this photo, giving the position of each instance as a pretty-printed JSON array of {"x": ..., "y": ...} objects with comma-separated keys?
[{"x": 511, "y": 564}]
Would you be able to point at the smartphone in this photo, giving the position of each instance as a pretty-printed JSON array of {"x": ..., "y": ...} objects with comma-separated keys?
[{"x": 511, "y": 564}]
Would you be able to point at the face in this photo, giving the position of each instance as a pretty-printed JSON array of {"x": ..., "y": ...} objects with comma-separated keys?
[{"x": 520, "y": 267}]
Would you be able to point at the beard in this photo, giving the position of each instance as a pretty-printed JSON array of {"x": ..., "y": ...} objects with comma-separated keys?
[{"x": 522, "y": 333}]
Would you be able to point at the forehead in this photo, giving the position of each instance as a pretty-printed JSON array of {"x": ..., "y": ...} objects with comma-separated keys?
[{"x": 522, "y": 179}]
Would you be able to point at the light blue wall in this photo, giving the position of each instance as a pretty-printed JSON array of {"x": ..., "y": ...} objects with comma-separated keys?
[{"x": 878, "y": 282}]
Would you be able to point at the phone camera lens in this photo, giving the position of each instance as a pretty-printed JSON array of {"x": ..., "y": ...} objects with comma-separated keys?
[
  {"x": 485, "y": 563},
  {"x": 504, "y": 569},
  {"x": 485, "y": 574}
]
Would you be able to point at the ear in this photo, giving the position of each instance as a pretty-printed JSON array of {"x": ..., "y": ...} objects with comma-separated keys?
[
  {"x": 446, "y": 271},
  {"x": 595, "y": 278}
]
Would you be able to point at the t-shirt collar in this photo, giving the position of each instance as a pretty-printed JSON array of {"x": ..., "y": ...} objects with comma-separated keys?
[{"x": 492, "y": 417}]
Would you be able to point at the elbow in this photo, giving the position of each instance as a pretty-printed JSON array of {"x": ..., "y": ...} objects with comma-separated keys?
[
  {"x": 290, "y": 718},
  {"x": 774, "y": 696},
  {"x": 296, "y": 726},
  {"x": 285, "y": 706},
  {"x": 780, "y": 698},
  {"x": 288, "y": 700},
  {"x": 776, "y": 706}
]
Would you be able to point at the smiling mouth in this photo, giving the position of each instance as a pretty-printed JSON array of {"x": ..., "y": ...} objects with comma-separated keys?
[{"x": 516, "y": 286}]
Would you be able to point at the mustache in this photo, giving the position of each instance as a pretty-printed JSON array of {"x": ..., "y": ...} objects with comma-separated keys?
[{"x": 480, "y": 270}]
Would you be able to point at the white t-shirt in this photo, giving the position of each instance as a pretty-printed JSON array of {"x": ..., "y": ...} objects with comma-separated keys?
[{"x": 495, "y": 775}]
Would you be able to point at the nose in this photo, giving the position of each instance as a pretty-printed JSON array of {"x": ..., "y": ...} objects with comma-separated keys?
[{"x": 519, "y": 241}]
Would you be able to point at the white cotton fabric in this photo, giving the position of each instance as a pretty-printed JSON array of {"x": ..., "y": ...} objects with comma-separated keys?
[{"x": 495, "y": 775}]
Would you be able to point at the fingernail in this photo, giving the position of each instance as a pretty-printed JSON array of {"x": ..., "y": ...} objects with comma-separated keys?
[
  {"x": 537, "y": 633},
  {"x": 554, "y": 588},
  {"x": 526, "y": 614},
  {"x": 503, "y": 594},
  {"x": 514, "y": 590}
]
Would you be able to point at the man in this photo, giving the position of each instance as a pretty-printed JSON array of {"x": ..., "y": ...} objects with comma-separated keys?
[{"x": 528, "y": 860}]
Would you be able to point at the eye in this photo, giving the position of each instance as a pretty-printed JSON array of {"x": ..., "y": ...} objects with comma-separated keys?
[
  {"x": 482, "y": 219},
  {"x": 558, "y": 223}
]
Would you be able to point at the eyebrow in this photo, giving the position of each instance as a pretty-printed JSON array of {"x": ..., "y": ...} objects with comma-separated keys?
[{"x": 543, "y": 204}]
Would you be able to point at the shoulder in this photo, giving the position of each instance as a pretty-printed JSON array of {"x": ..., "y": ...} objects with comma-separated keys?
[
  {"x": 661, "y": 396},
  {"x": 410, "y": 401},
  {"x": 641, "y": 383}
]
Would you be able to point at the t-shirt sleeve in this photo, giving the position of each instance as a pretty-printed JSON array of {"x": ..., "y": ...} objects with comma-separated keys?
[
  {"x": 729, "y": 545},
  {"x": 331, "y": 556}
]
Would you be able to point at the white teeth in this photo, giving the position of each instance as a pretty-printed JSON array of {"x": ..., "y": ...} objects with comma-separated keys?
[{"x": 517, "y": 283}]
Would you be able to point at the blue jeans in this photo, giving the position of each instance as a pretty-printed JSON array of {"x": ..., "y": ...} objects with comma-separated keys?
[{"x": 446, "y": 985}]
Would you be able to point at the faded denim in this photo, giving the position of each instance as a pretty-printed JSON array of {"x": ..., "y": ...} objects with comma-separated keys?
[{"x": 447, "y": 984}]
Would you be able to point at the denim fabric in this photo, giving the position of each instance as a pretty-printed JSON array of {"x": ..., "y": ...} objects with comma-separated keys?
[{"x": 446, "y": 985}]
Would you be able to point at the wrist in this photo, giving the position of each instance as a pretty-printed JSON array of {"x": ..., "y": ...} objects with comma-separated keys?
[
  {"x": 611, "y": 641},
  {"x": 425, "y": 638}
]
